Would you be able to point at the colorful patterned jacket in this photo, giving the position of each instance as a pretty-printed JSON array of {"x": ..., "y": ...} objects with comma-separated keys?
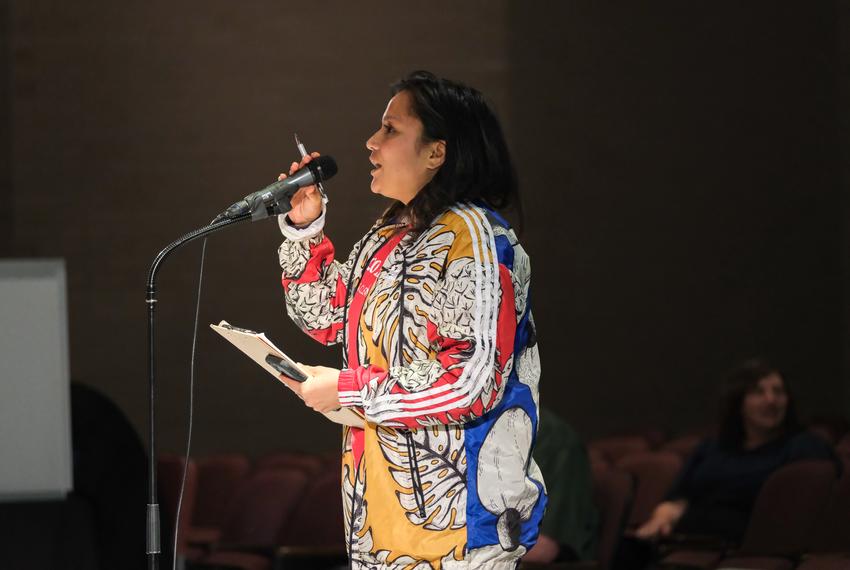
[{"x": 447, "y": 380}]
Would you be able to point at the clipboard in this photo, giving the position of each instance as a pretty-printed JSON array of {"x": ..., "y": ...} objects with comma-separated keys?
[{"x": 257, "y": 346}]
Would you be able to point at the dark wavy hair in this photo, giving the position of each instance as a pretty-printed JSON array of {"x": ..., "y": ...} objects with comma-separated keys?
[
  {"x": 477, "y": 165},
  {"x": 739, "y": 383}
]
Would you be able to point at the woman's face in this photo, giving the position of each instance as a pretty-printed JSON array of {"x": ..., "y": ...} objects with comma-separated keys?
[
  {"x": 764, "y": 406},
  {"x": 403, "y": 163}
]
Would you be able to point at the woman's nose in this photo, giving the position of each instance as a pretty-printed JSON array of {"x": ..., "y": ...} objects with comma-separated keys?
[{"x": 370, "y": 143}]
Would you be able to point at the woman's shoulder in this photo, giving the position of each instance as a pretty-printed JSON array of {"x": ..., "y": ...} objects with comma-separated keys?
[
  {"x": 472, "y": 218},
  {"x": 806, "y": 445},
  {"x": 473, "y": 229}
]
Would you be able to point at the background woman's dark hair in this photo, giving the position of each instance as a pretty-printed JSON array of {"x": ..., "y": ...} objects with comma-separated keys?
[
  {"x": 738, "y": 383},
  {"x": 477, "y": 166}
]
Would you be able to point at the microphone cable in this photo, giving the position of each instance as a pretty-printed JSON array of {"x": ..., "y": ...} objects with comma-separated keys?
[{"x": 191, "y": 409}]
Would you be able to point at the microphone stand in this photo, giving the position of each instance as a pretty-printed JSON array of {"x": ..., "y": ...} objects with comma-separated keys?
[{"x": 153, "y": 526}]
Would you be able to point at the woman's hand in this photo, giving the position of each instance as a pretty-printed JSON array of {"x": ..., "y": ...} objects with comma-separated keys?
[
  {"x": 307, "y": 201},
  {"x": 663, "y": 519},
  {"x": 320, "y": 391}
]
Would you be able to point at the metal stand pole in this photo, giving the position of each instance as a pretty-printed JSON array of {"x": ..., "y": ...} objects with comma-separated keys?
[{"x": 153, "y": 527}]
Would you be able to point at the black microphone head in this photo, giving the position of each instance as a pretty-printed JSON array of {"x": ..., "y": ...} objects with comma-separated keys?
[{"x": 323, "y": 167}]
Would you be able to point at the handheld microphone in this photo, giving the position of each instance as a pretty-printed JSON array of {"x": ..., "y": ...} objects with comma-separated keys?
[{"x": 274, "y": 198}]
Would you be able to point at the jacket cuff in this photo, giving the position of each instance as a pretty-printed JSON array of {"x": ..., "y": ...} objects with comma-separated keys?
[
  {"x": 348, "y": 387},
  {"x": 296, "y": 233}
]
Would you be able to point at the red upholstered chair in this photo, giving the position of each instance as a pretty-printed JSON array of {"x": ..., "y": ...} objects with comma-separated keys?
[
  {"x": 830, "y": 541},
  {"x": 654, "y": 473},
  {"x": 169, "y": 478},
  {"x": 756, "y": 563},
  {"x": 784, "y": 516},
  {"x": 219, "y": 477},
  {"x": 598, "y": 458},
  {"x": 261, "y": 507},
  {"x": 780, "y": 527},
  {"x": 691, "y": 559},
  {"x": 654, "y": 436},
  {"x": 308, "y": 462},
  {"x": 615, "y": 447},
  {"x": 826, "y": 562},
  {"x": 317, "y": 519},
  {"x": 683, "y": 445},
  {"x": 842, "y": 448},
  {"x": 612, "y": 494}
]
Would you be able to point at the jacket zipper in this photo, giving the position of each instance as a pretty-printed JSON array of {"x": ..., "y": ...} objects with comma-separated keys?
[
  {"x": 348, "y": 287},
  {"x": 415, "y": 478},
  {"x": 355, "y": 505}
]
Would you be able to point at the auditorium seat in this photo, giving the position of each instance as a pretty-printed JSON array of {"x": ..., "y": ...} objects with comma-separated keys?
[
  {"x": 615, "y": 447},
  {"x": 654, "y": 473},
  {"x": 308, "y": 462},
  {"x": 683, "y": 445},
  {"x": 830, "y": 540},
  {"x": 261, "y": 507},
  {"x": 842, "y": 448},
  {"x": 613, "y": 491},
  {"x": 317, "y": 518},
  {"x": 781, "y": 524},
  {"x": 597, "y": 458},
  {"x": 219, "y": 476},
  {"x": 839, "y": 561},
  {"x": 169, "y": 478}
]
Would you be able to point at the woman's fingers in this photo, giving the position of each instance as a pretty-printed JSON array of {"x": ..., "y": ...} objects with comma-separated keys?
[
  {"x": 298, "y": 165},
  {"x": 292, "y": 384}
]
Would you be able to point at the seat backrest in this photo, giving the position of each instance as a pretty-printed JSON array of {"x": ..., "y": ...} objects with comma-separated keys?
[
  {"x": 831, "y": 531},
  {"x": 169, "y": 478},
  {"x": 310, "y": 463},
  {"x": 612, "y": 494},
  {"x": 615, "y": 447},
  {"x": 683, "y": 445},
  {"x": 262, "y": 505},
  {"x": 317, "y": 519},
  {"x": 219, "y": 476},
  {"x": 842, "y": 448},
  {"x": 654, "y": 473},
  {"x": 597, "y": 458},
  {"x": 786, "y": 508}
]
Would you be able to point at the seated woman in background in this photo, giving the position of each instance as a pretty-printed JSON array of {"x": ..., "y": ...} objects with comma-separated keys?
[{"x": 758, "y": 433}]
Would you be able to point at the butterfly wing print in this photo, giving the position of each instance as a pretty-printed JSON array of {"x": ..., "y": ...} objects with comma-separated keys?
[{"x": 441, "y": 459}]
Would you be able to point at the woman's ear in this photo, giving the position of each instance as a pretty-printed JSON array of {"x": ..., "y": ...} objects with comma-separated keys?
[{"x": 436, "y": 154}]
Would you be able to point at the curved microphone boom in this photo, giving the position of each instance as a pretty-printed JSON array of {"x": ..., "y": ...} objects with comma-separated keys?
[{"x": 274, "y": 198}]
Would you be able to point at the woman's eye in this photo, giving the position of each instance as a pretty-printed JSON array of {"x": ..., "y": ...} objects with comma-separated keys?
[{"x": 389, "y": 129}]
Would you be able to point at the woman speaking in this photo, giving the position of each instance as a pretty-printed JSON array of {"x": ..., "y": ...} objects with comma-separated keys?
[{"x": 440, "y": 355}]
